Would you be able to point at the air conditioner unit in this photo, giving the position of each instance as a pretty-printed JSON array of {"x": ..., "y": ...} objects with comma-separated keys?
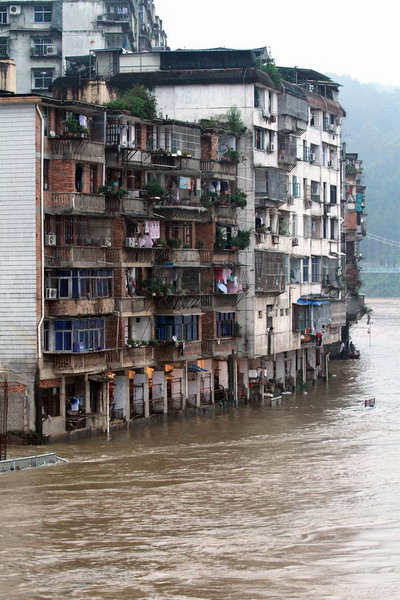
[
  {"x": 270, "y": 148},
  {"x": 313, "y": 156},
  {"x": 49, "y": 50},
  {"x": 330, "y": 163},
  {"x": 130, "y": 242},
  {"x": 290, "y": 200},
  {"x": 271, "y": 313},
  {"x": 51, "y": 293},
  {"x": 307, "y": 204},
  {"x": 275, "y": 239},
  {"x": 15, "y": 9},
  {"x": 331, "y": 127},
  {"x": 260, "y": 238},
  {"x": 100, "y": 17},
  {"x": 295, "y": 241},
  {"x": 327, "y": 208},
  {"x": 50, "y": 239}
]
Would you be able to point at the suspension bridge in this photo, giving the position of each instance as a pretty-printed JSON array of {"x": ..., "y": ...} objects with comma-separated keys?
[{"x": 382, "y": 255}]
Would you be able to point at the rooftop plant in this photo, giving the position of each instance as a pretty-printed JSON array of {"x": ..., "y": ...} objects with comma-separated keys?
[{"x": 139, "y": 101}]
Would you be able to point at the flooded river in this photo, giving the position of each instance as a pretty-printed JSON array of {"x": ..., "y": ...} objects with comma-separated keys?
[{"x": 296, "y": 501}]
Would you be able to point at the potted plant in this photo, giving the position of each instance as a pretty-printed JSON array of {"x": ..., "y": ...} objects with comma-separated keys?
[{"x": 154, "y": 189}]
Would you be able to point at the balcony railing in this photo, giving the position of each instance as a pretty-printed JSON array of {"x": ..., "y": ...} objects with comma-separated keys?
[
  {"x": 131, "y": 357},
  {"x": 77, "y": 146},
  {"x": 78, "y": 203},
  {"x": 70, "y": 256},
  {"x": 76, "y": 363},
  {"x": 83, "y": 306},
  {"x": 134, "y": 305},
  {"x": 218, "y": 169},
  {"x": 220, "y": 347},
  {"x": 175, "y": 352}
]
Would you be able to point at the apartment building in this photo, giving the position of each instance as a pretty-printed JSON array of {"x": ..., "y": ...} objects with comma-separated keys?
[
  {"x": 180, "y": 261},
  {"x": 291, "y": 175},
  {"x": 119, "y": 302},
  {"x": 38, "y": 36}
]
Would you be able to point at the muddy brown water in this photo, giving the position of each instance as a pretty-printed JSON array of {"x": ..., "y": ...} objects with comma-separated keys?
[{"x": 295, "y": 501}]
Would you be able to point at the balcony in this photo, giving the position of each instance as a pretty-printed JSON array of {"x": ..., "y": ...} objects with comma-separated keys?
[
  {"x": 219, "y": 302},
  {"x": 74, "y": 203},
  {"x": 77, "y": 147},
  {"x": 45, "y": 52},
  {"x": 219, "y": 257},
  {"x": 81, "y": 307},
  {"x": 287, "y": 153},
  {"x": 76, "y": 363},
  {"x": 189, "y": 209},
  {"x": 134, "y": 306},
  {"x": 114, "y": 18},
  {"x": 80, "y": 256},
  {"x": 185, "y": 164},
  {"x": 140, "y": 357},
  {"x": 213, "y": 169},
  {"x": 220, "y": 348},
  {"x": 184, "y": 256},
  {"x": 141, "y": 256},
  {"x": 177, "y": 352},
  {"x": 178, "y": 303}
]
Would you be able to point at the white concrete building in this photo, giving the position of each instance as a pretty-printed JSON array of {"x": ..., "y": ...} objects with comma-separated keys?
[
  {"x": 39, "y": 36},
  {"x": 289, "y": 167}
]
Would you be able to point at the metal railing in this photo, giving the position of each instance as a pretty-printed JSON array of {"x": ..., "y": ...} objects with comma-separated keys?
[{"x": 29, "y": 462}]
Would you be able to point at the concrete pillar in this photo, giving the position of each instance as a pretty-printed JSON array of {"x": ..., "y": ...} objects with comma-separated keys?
[
  {"x": 141, "y": 379},
  {"x": 212, "y": 370},
  {"x": 87, "y": 393},
  {"x": 197, "y": 382},
  {"x": 121, "y": 393},
  {"x": 304, "y": 364},
  {"x": 160, "y": 389},
  {"x": 63, "y": 409}
]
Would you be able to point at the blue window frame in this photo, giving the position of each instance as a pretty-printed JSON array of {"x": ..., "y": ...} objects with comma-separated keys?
[
  {"x": 184, "y": 327},
  {"x": 226, "y": 324},
  {"x": 80, "y": 335}
]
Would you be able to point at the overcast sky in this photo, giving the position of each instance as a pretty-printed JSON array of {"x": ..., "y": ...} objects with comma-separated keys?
[{"x": 346, "y": 37}]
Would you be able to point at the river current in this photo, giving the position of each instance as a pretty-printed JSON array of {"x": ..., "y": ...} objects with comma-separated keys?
[{"x": 294, "y": 501}]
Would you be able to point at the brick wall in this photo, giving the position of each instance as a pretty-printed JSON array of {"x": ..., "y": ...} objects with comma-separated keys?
[
  {"x": 205, "y": 232},
  {"x": 208, "y": 326},
  {"x": 62, "y": 175},
  {"x": 118, "y": 232}
]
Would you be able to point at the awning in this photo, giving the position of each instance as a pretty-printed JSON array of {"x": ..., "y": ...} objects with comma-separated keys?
[
  {"x": 305, "y": 302},
  {"x": 197, "y": 369}
]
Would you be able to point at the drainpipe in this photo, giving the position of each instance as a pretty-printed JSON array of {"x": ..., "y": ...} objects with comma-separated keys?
[
  {"x": 41, "y": 235},
  {"x": 38, "y": 391}
]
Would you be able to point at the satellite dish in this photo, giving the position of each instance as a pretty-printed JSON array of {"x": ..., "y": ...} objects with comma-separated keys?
[
  {"x": 179, "y": 153},
  {"x": 174, "y": 338},
  {"x": 52, "y": 133}
]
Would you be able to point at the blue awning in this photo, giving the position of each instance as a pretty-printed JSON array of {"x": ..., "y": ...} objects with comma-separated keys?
[
  {"x": 197, "y": 369},
  {"x": 305, "y": 302}
]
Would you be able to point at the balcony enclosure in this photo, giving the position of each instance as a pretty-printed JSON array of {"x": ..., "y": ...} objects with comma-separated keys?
[
  {"x": 78, "y": 231},
  {"x": 287, "y": 152},
  {"x": 292, "y": 111},
  {"x": 271, "y": 184},
  {"x": 270, "y": 272}
]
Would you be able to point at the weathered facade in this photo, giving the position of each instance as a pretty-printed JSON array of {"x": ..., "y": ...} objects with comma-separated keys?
[
  {"x": 39, "y": 36},
  {"x": 177, "y": 262}
]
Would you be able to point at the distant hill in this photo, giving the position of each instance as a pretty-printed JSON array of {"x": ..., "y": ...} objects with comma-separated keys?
[{"x": 372, "y": 128}]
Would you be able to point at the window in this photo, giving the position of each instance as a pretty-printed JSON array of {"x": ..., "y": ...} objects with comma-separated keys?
[
  {"x": 42, "y": 79},
  {"x": 306, "y": 226},
  {"x": 78, "y": 335},
  {"x": 4, "y": 50},
  {"x": 93, "y": 179},
  {"x": 306, "y": 265},
  {"x": 259, "y": 138},
  {"x": 296, "y": 192},
  {"x": 333, "y": 194},
  {"x": 42, "y": 46},
  {"x": 184, "y": 327},
  {"x": 315, "y": 269},
  {"x": 225, "y": 324},
  {"x": 117, "y": 40},
  {"x": 83, "y": 283},
  {"x": 42, "y": 13},
  {"x": 51, "y": 402},
  {"x": 259, "y": 98},
  {"x": 3, "y": 15}
]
